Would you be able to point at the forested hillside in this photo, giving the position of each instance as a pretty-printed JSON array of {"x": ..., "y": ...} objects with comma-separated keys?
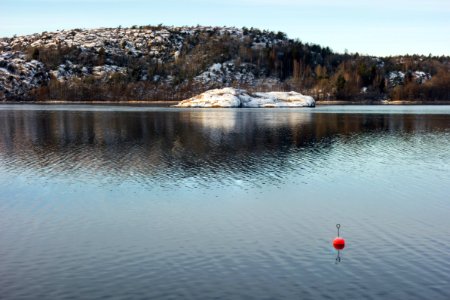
[{"x": 173, "y": 63}]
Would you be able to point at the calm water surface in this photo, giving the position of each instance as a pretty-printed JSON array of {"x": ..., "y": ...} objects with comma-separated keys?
[{"x": 121, "y": 202}]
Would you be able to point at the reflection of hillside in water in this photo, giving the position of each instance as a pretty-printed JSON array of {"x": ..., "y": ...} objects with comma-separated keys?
[
  {"x": 177, "y": 144},
  {"x": 221, "y": 125},
  {"x": 234, "y": 120}
]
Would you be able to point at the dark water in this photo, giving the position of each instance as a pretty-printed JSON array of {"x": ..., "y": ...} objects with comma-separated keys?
[{"x": 104, "y": 202}]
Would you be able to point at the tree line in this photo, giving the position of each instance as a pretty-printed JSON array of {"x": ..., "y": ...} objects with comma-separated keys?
[{"x": 308, "y": 68}]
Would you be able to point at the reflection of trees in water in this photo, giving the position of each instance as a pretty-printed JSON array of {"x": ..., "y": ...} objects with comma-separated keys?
[{"x": 185, "y": 142}]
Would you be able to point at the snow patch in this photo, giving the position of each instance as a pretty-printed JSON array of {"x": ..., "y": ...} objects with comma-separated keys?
[
  {"x": 227, "y": 73},
  {"x": 398, "y": 78}
]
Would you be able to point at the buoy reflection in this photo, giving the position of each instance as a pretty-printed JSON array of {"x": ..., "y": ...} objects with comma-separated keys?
[{"x": 338, "y": 257}]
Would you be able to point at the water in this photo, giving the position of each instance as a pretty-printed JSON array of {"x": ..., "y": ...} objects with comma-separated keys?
[{"x": 126, "y": 202}]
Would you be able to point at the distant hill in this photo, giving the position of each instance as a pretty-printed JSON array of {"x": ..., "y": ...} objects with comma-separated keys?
[{"x": 174, "y": 63}]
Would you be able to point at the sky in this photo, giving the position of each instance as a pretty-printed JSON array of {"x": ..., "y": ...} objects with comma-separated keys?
[{"x": 382, "y": 27}]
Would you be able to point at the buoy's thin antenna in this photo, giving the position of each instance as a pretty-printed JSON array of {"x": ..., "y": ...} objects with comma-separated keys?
[{"x": 338, "y": 226}]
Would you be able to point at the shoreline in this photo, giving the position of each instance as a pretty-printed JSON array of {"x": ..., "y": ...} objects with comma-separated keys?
[
  {"x": 150, "y": 102},
  {"x": 172, "y": 102},
  {"x": 393, "y": 102}
]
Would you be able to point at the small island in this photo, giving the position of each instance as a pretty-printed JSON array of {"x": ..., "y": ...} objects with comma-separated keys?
[{"x": 232, "y": 98}]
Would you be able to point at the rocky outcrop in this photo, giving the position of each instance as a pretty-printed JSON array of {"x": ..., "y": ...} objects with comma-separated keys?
[
  {"x": 148, "y": 60},
  {"x": 230, "y": 97},
  {"x": 18, "y": 76}
]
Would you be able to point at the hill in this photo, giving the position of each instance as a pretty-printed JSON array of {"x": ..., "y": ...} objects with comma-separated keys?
[{"x": 174, "y": 63}]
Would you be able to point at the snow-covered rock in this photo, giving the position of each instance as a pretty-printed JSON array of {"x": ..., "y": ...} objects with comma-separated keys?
[
  {"x": 227, "y": 97},
  {"x": 421, "y": 77},
  {"x": 19, "y": 76},
  {"x": 279, "y": 99},
  {"x": 230, "y": 97},
  {"x": 398, "y": 77},
  {"x": 228, "y": 72}
]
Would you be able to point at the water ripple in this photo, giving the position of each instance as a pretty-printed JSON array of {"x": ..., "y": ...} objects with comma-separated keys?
[{"x": 157, "y": 203}]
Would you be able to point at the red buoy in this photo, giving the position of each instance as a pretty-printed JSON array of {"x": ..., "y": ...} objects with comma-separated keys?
[{"x": 338, "y": 243}]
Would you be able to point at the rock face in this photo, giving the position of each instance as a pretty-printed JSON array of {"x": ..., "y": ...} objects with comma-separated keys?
[
  {"x": 18, "y": 76},
  {"x": 230, "y": 97}
]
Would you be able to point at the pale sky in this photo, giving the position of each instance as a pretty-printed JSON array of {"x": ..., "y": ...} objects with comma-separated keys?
[{"x": 378, "y": 27}]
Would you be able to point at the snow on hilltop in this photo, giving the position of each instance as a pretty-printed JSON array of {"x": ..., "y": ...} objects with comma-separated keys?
[
  {"x": 138, "y": 54},
  {"x": 230, "y": 97},
  {"x": 173, "y": 63}
]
